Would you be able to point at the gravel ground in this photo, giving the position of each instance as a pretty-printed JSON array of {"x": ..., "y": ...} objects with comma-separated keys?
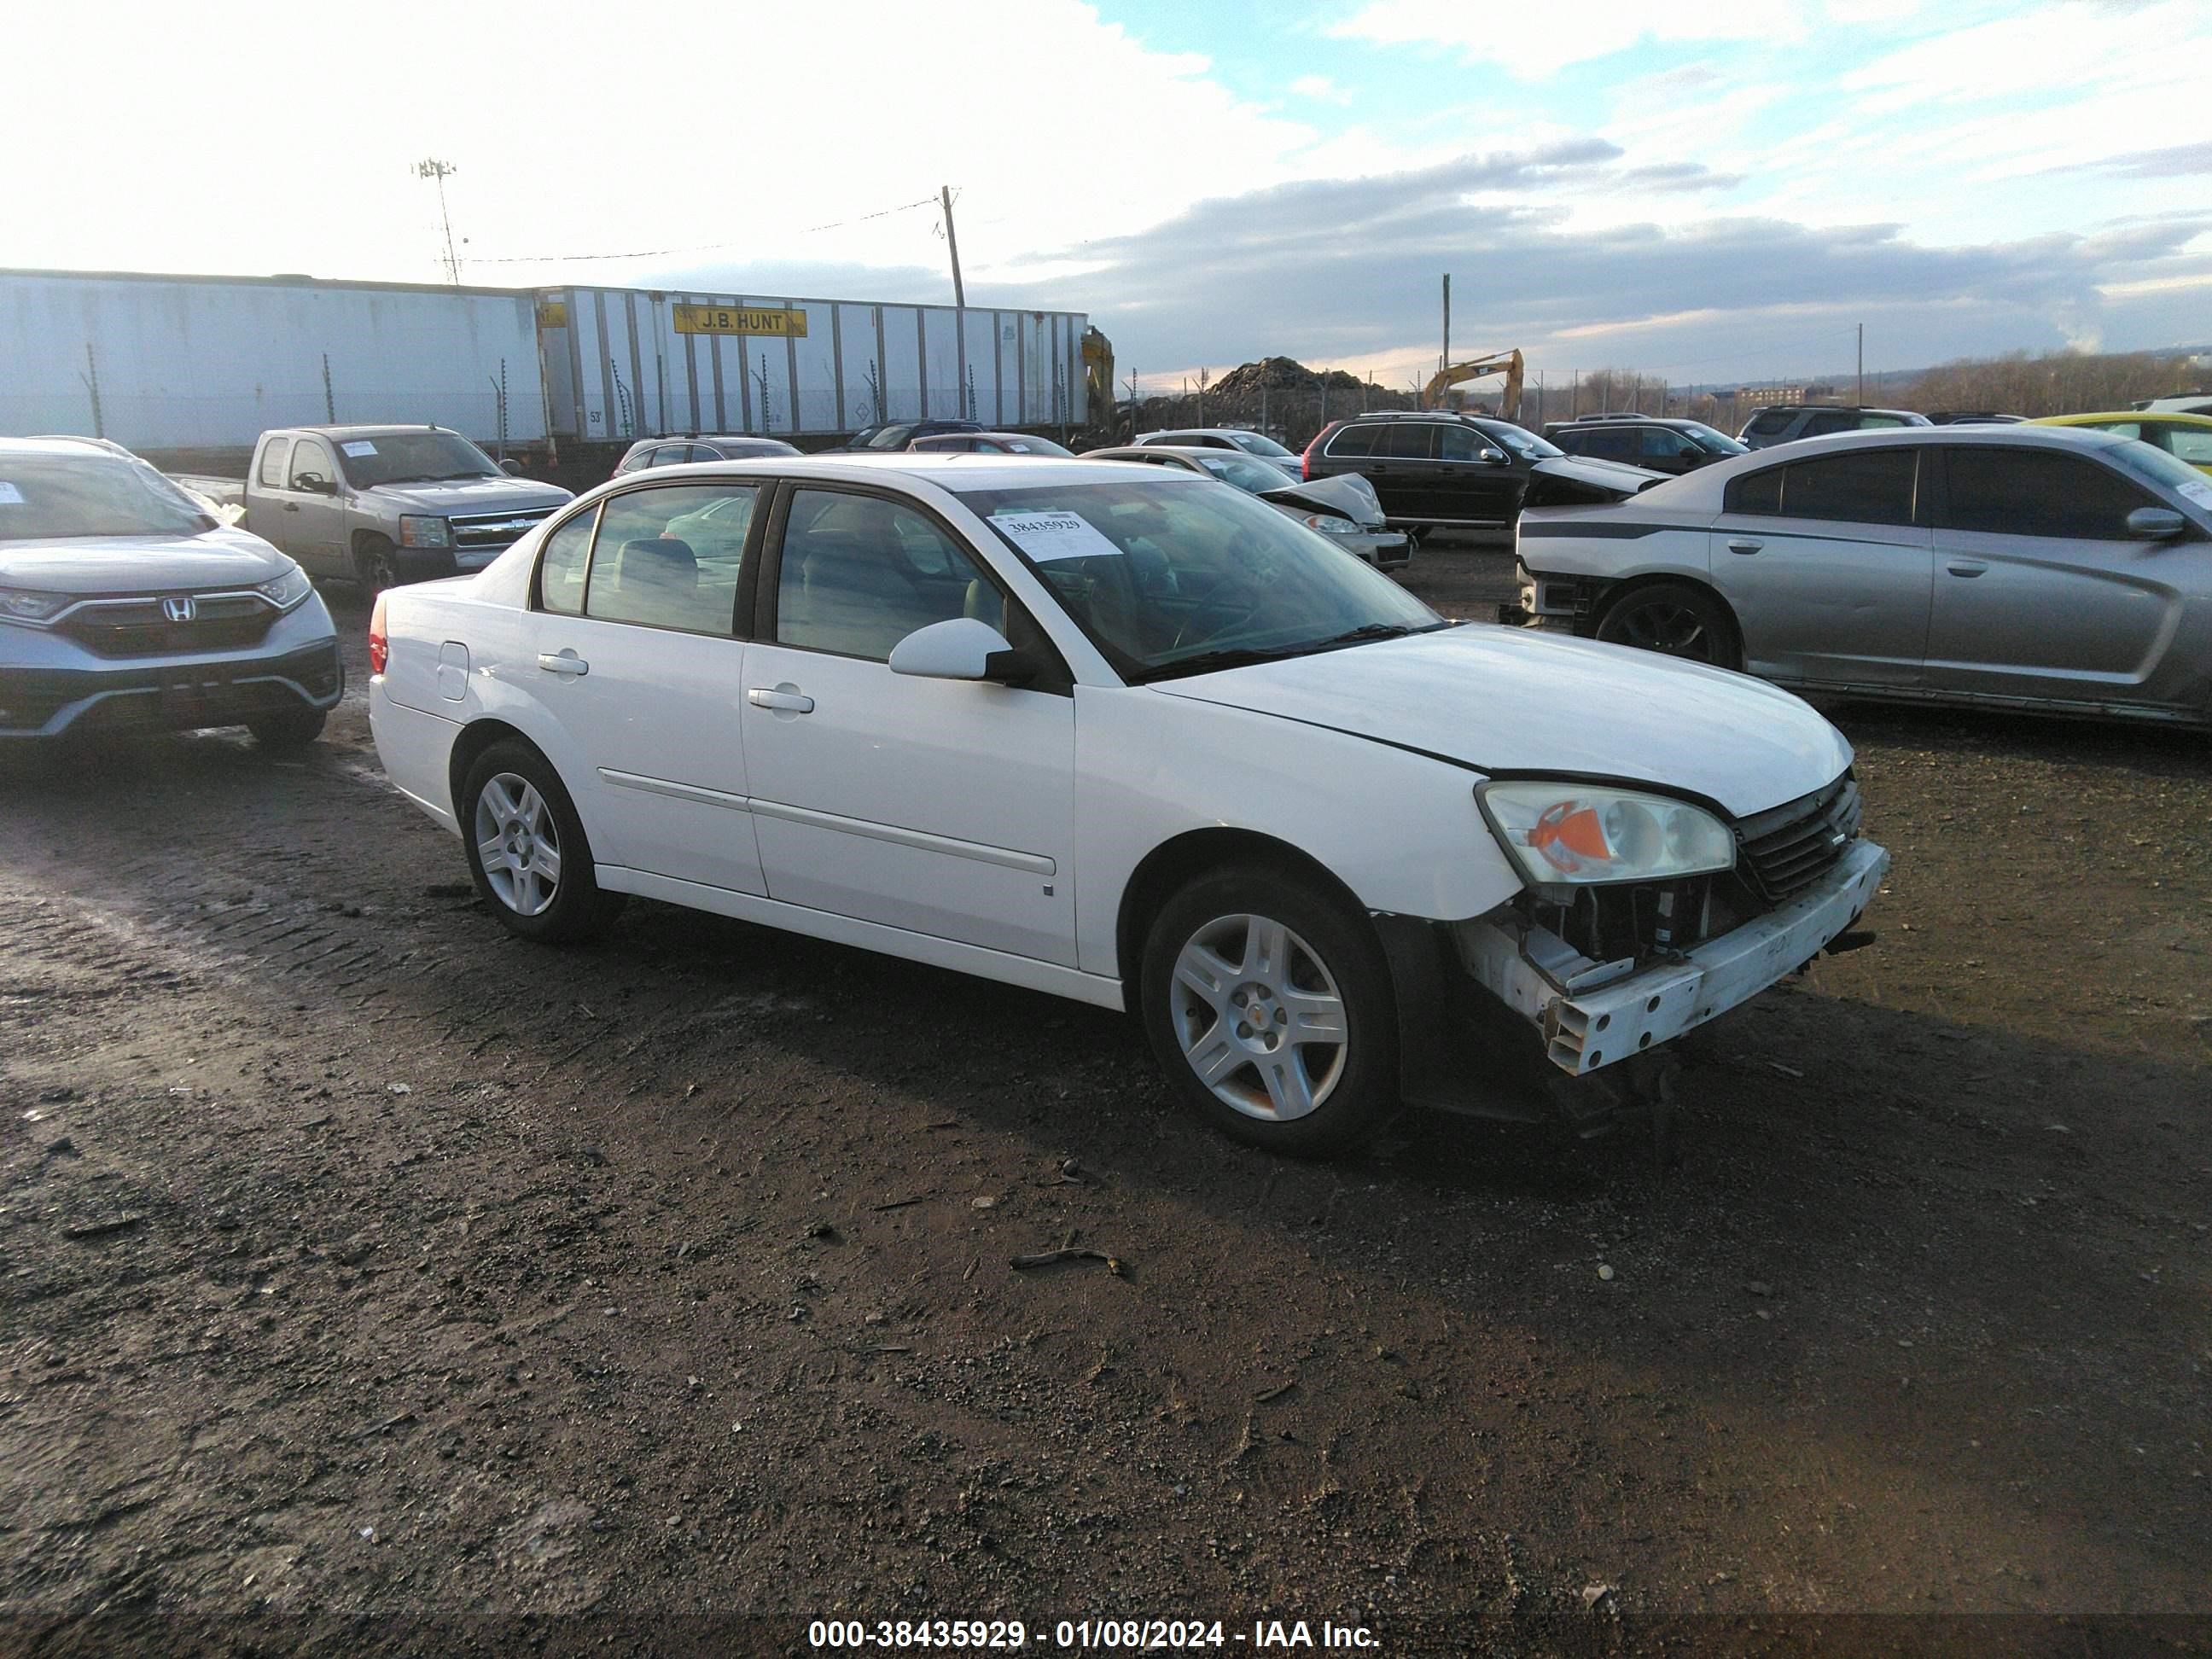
[{"x": 372, "y": 1281}]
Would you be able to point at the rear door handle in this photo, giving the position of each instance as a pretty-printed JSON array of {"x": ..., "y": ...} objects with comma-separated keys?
[
  {"x": 1966, "y": 566},
  {"x": 1744, "y": 545},
  {"x": 777, "y": 697},
  {"x": 564, "y": 663}
]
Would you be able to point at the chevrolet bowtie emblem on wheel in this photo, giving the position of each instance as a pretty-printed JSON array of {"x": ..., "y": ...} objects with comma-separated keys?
[{"x": 182, "y": 609}]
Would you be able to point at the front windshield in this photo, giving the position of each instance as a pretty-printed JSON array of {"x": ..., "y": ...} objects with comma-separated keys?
[
  {"x": 1524, "y": 443},
  {"x": 1241, "y": 470},
  {"x": 2147, "y": 460},
  {"x": 1714, "y": 443},
  {"x": 1179, "y": 575},
  {"x": 51, "y": 498},
  {"x": 423, "y": 457},
  {"x": 1253, "y": 443}
]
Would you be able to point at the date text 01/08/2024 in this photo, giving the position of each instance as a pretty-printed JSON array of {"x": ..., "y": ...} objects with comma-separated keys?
[{"x": 1123, "y": 1635}]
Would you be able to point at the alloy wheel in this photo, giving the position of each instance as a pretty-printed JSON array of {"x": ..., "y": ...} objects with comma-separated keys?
[
  {"x": 1674, "y": 630},
  {"x": 1259, "y": 1017},
  {"x": 518, "y": 844}
]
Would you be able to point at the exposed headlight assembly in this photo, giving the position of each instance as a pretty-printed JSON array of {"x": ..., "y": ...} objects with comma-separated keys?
[
  {"x": 285, "y": 590},
  {"x": 416, "y": 532},
  {"x": 1586, "y": 833},
  {"x": 28, "y": 605}
]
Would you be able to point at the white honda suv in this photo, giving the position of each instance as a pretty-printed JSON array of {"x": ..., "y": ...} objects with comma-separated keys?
[{"x": 1134, "y": 738}]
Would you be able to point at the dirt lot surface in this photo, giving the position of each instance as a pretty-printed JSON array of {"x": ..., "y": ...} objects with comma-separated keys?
[{"x": 357, "y": 1260}]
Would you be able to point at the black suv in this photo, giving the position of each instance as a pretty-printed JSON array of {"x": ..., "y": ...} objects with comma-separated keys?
[
  {"x": 1785, "y": 422},
  {"x": 1431, "y": 467},
  {"x": 1661, "y": 442}
]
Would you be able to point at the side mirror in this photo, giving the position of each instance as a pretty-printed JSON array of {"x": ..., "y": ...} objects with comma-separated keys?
[
  {"x": 1491, "y": 456},
  {"x": 2155, "y": 524},
  {"x": 512, "y": 468},
  {"x": 315, "y": 483},
  {"x": 960, "y": 649}
]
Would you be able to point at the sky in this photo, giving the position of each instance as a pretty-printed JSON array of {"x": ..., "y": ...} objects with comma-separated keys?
[{"x": 1717, "y": 191}]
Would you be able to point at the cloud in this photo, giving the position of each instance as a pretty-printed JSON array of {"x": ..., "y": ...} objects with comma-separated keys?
[
  {"x": 1320, "y": 88},
  {"x": 2175, "y": 161},
  {"x": 1532, "y": 41},
  {"x": 1344, "y": 270}
]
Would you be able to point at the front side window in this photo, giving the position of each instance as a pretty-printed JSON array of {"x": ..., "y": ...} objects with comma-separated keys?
[
  {"x": 1243, "y": 471},
  {"x": 2027, "y": 492},
  {"x": 888, "y": 437},
  {"x": 1174, "y": 576},
  {"x": 425, "y": 457},
  {"x": 1254, "y": 444},
  {"x": 274, "y": 454},
  {"x": 1866, "y": 486},
  {"x": 1660, "y": 444},
  {"x": 1458, "y": 443},
  {"x": 858, "y": 573},
  {"x": 1868, "y": 423},
  {"x": 669, "y": 557},
  {"x": 311, "y": 461}
]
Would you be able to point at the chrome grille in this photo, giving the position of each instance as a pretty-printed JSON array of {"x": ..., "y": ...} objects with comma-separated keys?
[
  {"x": 1787, "y": 849},
  {"x": 489, "y": 531}
]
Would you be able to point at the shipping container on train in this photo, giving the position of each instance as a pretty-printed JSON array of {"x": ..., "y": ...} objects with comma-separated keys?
[
  {"x": 208, "y": 363},
  {"x": 623, "y": 364}
]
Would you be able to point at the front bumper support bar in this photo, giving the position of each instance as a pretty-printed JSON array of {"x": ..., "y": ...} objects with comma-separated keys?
[{"x": 1588, "y": 1025}]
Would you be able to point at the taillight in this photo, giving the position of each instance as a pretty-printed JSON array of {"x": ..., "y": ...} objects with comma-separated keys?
[
  {"x": 1306, "y": 461},
  {"x": 379, "y": 646}
]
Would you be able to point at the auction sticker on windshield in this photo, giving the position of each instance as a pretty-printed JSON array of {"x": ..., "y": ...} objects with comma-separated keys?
[
  {"x": 2199, "y": 493},
  {"x": 1051, "y": 535},
  {"x": 359, "y": 447}
]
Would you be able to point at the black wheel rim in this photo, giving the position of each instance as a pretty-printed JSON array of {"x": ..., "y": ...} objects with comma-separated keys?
[{"x": 1673, "y": 630}]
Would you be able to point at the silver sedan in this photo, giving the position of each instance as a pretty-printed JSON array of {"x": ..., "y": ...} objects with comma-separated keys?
[{"x": 2044, "y": 567}]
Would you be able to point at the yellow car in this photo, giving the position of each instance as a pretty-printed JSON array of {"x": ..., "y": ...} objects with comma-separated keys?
[{"x": 2185, "y": 437}]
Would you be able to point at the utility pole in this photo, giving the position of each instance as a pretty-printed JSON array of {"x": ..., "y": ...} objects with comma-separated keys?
[
  {"x": 431, "y": 167},
  {"x": 1444, "y": 362},
  {"x": 959, "y": 293},
  {"x": 1862, "y": 365}
]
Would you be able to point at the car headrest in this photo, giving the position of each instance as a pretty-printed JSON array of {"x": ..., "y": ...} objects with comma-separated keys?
[{"x": 658, "y": 562}]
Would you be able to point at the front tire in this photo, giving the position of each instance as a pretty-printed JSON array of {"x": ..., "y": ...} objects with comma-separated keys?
[
  {"x": 378, "y": 562},
  {"x": 1673, "y": 619},
  {"x": 1268, "y": 1002},
  {"x": 526, "y": 850}
]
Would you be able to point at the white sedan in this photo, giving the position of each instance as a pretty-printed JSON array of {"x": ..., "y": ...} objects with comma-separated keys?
[{"x": 1131, "y": 738}]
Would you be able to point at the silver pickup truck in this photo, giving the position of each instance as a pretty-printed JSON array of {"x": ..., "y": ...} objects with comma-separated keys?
[{"x": 388, "y": 504}]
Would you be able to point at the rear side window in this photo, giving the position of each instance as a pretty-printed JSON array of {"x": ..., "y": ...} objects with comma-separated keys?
[
  {"x": 273, "y": 457},
  {"x": 561, "y": 566},
  {"x": 2192, "y": 444},
  {"x": 2027, "y": 492},
  {"x": 1406, "y": 441},
  {"x": 1755, "y": 492},
  {"x": 1821, "y": 425},
  {"x": 1352, "y": 441},
  {"x": 1768, "y": 422},
  {"x": 1614, "y": 445},
  {"x": 1867, "y": 486}
]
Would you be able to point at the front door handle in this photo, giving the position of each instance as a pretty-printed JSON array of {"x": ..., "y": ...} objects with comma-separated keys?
[
  {"x": 565, "y": 663},
  {"x": 291, "y": 506},
  {"x": 782, "y": 696},
  {"x": 1966, "y": 566},
  {"x": 1744, "y": 545}
]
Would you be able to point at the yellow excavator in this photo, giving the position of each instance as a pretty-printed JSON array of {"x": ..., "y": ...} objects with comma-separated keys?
[{"x": 1507, "y": 363}]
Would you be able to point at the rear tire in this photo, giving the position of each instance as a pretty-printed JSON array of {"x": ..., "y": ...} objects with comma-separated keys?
[
  {"x": 526, "y": 849},
  {"x": 295, "y": 729},
  {"x": 1673, "y": 619},
  {"x": 1268, "y": 1003}
]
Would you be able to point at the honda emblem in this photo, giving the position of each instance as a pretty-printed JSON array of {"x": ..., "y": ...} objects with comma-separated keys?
[{"x": 181, "y": 609}]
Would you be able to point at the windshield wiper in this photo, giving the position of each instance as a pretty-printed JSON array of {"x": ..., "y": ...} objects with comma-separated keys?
[{"x": 455, "y": 478}]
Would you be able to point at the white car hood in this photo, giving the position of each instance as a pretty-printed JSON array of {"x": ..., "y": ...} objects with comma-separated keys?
[
  {"x": 1504, "y": 700},
  {"x": 140, "y": 564}
]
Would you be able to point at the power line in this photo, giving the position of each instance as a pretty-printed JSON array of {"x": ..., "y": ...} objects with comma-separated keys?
[{"x": 697, "y": 247}]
